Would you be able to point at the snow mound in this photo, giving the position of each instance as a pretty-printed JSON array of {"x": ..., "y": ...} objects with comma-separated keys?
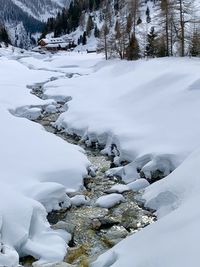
[
  {"x": 80, "y": 200},
  {"x": 36, "y": 169},
  {"x": 109, "y": 201},
  {"x": 154, "y": 143},
  {"x": 138, "y": 185},
  {"x": 118, "y": 188}
]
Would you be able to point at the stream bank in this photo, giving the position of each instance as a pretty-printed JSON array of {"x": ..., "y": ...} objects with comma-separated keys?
[{"x": 94, "y": 229}]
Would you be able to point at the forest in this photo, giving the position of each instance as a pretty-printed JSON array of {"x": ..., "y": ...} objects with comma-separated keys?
[{"x": 130, "y": 29}]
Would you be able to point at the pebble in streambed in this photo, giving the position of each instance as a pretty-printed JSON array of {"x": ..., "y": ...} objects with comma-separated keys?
[{"x": 94, "y": 227}]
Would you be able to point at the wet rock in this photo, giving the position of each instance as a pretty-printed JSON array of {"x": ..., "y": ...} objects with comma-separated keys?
[
  {"x": 61, "y": 264},
  {"x": 95, "y": 224},
  {"x": 155, "y": 176},
  {"x": 56, "y": 216},
  {"x": 77, "y": 254},
  {"x": 88, "y": 181},
  {"x": 69, "y": 227},
  {"x": 118, "y": 172},
  {"x": 130, "y": 219},
  {"x": 109, "y": 221},
  {"x": 112, "y": 165},
  {"x": 92, "y": 171},
  {"x": 115, "y": 234},
  {"x": 27, "y": 261}
]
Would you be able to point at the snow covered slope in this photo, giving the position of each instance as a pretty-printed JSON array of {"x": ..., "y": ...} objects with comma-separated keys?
[
  {"x": 25, "y": 17},
  {"x": 40, "y": 9},
  {"x": 36, "y": 168},
  {"x": 173, "y": 240},
  {"x": 150, "y": 109}
]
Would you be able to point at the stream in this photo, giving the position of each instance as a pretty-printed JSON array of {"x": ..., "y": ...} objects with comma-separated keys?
[{"x": 94, "y": 229}]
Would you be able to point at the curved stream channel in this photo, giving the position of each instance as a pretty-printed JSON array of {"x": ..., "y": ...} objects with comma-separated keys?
[{"x": 94, "y": 229}]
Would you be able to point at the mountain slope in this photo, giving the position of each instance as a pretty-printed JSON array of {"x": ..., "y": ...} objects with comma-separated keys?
[
  {"x": 24, "y": 17},
  {"x": 40, "y": 9}
]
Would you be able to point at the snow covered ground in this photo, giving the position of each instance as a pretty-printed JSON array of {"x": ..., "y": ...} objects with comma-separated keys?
[
  {"x": 149, "y": 109},
  {"x": 36, "y": 168}
]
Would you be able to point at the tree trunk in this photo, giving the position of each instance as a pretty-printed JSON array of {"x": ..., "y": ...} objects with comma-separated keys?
[{"x": 182, "y": 23}]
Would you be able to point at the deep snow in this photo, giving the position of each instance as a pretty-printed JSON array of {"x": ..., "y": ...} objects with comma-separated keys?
[
  {"x": 36, "y": 168},
  {"x": 149, "y": 109}
]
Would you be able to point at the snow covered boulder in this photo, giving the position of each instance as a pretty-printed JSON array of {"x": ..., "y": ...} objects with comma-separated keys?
[
  {"x": 109, "y": 201},
  {"x": 138, "y": 184},
  {"x": 68, "y": 227},
  {"x": 28, "y": 112},
  {"x": 33, "y": 113},
  {"x": 50, "y": 109},
  {"x": 80, "y": 200},
  {"x": 128, "y": 173},
  {"x": 118, "y": 188}
]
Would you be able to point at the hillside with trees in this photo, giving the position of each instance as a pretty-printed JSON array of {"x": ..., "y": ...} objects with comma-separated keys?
[
  {"x": 4, "y": 37},
  {"x": 133, "y": 29}
]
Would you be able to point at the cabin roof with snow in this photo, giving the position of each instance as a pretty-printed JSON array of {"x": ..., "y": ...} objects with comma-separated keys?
[
  {"x": 52, "y": 41},
  {"x": 55, "y": 44}
]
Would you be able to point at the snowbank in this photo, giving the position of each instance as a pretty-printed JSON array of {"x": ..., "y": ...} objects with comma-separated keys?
[
  {"x": 149, "y": 109},
  {"x": 36, "y": 168},
  {"x": 172, "y": 240}
]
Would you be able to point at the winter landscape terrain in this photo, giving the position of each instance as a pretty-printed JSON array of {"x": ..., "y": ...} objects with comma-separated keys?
[
  {"x": 158, "y": 129},
  {"x": 99, "y": 158}
]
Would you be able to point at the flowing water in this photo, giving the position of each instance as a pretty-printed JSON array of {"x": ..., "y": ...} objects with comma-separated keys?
[{"x": 94, "y": 229}]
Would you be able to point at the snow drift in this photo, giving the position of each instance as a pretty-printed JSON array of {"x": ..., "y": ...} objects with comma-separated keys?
[
  {"x": 149, "y": 109},
  {"x": 173, "y": 240},
  {"x": 35, "y": 170},
  {"x": 146, "y": 112}
]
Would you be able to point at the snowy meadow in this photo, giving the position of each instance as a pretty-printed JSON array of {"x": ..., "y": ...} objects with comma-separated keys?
[{"x": 144, "y": 113}]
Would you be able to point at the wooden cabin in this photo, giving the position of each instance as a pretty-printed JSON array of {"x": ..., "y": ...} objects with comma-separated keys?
[{"x": 56, "y": 44}]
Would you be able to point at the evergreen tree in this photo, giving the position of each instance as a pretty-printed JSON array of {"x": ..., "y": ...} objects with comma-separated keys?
[
  {"x": 195, "y": 43},
  {"x": 84, "y": 39},
  {"x": 4, "y": 37},
  {"x": 133, "y": 51},
  {"x": 151, "y": 40}
]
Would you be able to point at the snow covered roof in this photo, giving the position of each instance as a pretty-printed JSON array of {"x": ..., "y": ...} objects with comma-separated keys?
[
  {"x": 59, "y": 40},
  {"x": 53, "y": 40}
]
